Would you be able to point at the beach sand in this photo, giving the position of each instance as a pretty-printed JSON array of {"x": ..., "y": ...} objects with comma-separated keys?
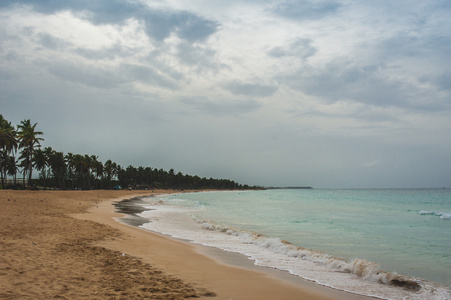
[{"x": 67, "y": 245}]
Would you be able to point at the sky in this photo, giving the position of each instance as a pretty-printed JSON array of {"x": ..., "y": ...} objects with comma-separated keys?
[{"x": 328, "y": 94}]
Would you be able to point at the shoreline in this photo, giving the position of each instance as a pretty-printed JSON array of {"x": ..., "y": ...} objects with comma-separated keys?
[
  {"x": 185, "y": 261},
  {"x": 69, "y": 245},
  {"x": 189, "y": 218},
  {"x": 234, "y": 262}
]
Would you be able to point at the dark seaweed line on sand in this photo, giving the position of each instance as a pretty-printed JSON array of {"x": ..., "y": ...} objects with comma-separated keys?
[{"x": 131, "y": 208}]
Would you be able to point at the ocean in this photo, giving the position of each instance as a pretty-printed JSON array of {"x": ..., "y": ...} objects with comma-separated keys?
[{"x": 390, "y": 244}]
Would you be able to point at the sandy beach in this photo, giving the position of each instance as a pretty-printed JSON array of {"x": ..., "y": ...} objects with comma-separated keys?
[{"x": 68, "y": 245}]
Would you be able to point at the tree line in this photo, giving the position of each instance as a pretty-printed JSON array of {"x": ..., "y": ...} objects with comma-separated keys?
[{"x": 21, "y": 153}]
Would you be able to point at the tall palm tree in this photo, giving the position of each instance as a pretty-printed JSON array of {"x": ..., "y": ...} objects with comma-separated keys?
[
  {"x": 89, "y": 160},
  {"x": 12, "y": 168},
  {"x": 108, "y": 169},
  {"x": 70, "y": 168},
  {"x": 57, "y": 163},
  {"x": 40, "y": 163},
  {"x": 28, "y": 140},
  {"x": 98, "y": 169},
  {"x": 48, "y": 154},
  {"x": 8, "y": 143},
  {"x": 79, "y": 164}
]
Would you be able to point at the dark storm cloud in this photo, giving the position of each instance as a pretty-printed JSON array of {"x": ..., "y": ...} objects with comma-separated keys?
[
  {"x": 250, "y": 89},
  {"x": 304, "y": 9},
  {"x": 159, "y": 24}
]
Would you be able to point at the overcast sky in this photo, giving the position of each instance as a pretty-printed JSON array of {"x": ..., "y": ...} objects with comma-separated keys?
[{"x": 329, "y": 94}]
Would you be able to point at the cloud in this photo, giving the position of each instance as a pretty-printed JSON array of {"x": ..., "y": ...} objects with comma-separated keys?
[
  {"x": 90, "y": 76},
  {"x": 50, "y": 42},
  {"x": 199, "y": 57},
  {"x": 344, "y": 80},
  {"x": 109, "y": 53},
  {"x": 300, "y": 48},
  {"x": 250, "y": 89},
  {"x": 444, "y": 81},
  {"x": 44, "y": 6},
  {"x": 159, "y": 24},
  {"x": 98, "y": 12},
  {"x": 112, "y": 77},
  {"x": 194, "y": 28},
  {"x": 148, "y": 75},
  {"x": 305, "y": 9},
  {"x": 222, "y": 107},
  {"x": 330, "y": 93}
]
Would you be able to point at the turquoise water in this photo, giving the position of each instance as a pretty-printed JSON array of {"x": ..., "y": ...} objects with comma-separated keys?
[{"x": 407, "y": 231}]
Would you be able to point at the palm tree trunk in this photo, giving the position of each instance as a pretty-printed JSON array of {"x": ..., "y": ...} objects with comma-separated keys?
[
  {"x": 3, "y": 179},
  {"x": 29, "y": 176},
  {"x": 43, "y": 177},
  {"x": 23, "y": 179},
  {"x": 3, "y": 169}
]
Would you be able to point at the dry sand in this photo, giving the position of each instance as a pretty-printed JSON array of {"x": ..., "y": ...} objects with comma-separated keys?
[{"x": 66, "y": 245}]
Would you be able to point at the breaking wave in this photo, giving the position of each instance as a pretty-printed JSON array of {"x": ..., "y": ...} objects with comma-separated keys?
[
  {"x": 365, "y": 270},
  {"x": 362, "y": 268},
  {"x": 356, "y": 275},
  {"x": 443, "y": 215}
]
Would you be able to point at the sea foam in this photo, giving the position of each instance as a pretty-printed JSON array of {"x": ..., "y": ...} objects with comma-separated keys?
[
  {"x": 443, "y": 215},
  {"x": 366, "y": 270},
  {"x": 356, "y": 276}
]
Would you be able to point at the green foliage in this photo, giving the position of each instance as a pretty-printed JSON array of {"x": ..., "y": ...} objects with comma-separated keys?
[
  {"x": 28, "y": 142},
  {"x": 158, "y": 178},
  {"x": 77, "y": 171}
]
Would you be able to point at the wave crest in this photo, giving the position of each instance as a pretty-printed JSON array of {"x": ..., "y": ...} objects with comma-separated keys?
[
  {"x": 370, "y": 271},
  {"x": 366, "y": 270},
  {"x": 443, "y": 215}
]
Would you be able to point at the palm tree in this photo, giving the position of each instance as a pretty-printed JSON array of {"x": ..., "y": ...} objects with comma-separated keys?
[
  {"x": 70, "y": 159},
  {"x": 57, "y": 163},
  {"x": 89, "y": 162},
  {"x": 48, "y": 154},
  {"x": 98, "y": 169},
  {"x": 29, "y": 140},
  {"x": 12, "y": 168},
  {"x": 78, "y": 164},
  {"x": 41, "y": 162},
  {"x": 8, "y": 143},
  {"x": 108, "y": 169}
]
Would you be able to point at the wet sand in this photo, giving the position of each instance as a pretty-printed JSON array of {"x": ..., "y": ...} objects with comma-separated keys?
[{"x": 67, "y": 245}]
